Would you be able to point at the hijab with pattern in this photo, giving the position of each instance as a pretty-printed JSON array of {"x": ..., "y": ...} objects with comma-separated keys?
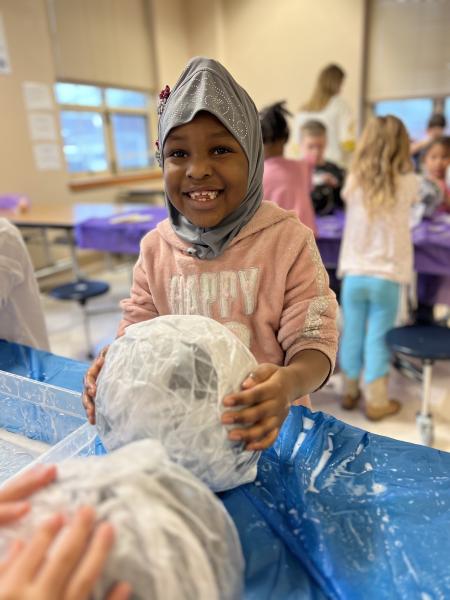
[{"x": 205, "y": 85}]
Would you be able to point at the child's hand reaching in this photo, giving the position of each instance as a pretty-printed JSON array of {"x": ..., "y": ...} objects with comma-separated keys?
[
  {"x": 14, "y": 495},
  {"x": 53, "y": 564},
  {"x": 90, "y": 385},
  {"x": 267, "y": 395}
]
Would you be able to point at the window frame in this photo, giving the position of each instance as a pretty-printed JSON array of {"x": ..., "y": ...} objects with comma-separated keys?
[{"x": 112, "y": 173}]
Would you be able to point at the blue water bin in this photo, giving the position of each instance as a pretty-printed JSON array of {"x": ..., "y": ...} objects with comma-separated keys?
[{"x": 41, "y": 423}]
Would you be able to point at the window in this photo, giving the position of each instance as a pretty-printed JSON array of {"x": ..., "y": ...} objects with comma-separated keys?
[
  {"x": 105, "y": 130},
  {"x": 414, "y": 112},
  {"x": 84, "y": 141}
]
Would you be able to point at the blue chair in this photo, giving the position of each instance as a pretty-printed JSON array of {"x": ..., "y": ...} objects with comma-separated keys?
[
  {"x": 428, "y": 343},
  {"x": 81, "y": 291}
]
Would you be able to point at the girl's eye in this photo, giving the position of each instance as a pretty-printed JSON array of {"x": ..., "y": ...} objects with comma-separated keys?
[
  {"x": 177, "y": 154},
  {"x": 221, "y": 150}
]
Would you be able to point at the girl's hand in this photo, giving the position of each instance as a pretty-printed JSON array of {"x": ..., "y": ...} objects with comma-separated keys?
[
  {"x": 267, "y": 397},
  {"x": 67, "y": 568},
  {"x": 268, "y": 394},
  {"x": 13, "y": 496},
  {"x": 90, "y": 385}
]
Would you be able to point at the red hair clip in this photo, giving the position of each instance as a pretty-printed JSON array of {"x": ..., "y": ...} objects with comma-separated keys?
[{"x": 163, "y": 97}]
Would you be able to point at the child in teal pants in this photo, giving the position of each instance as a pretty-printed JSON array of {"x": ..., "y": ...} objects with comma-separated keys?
[
  {"x": 376, "y": 259},
  {"x": 370, "y": 306}
]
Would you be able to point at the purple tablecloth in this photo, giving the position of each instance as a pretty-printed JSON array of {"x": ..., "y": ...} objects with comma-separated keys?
[
  {"x": 14, "y": 202},
  {"x": 431, "y": 243},
  {"x": 120, "y": 233},
  {"x": 431, "y": 253}
]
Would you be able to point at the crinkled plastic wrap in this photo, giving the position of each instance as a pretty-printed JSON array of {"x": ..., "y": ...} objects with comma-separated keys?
[
  {"x": 174, "y": 538},
  {"x": 165, "y": 379}
]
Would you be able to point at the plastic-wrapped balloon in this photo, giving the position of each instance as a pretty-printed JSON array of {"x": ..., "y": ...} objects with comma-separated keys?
[
  {"x": 165, "y": 379},
  {"x": 174, "y": 538}
]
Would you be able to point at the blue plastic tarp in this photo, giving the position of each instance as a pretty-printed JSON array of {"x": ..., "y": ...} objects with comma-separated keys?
[{"x": 347, "y": 513}]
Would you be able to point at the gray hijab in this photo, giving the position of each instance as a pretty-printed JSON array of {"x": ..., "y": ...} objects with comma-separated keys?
[{"x": 205, "y": 85}]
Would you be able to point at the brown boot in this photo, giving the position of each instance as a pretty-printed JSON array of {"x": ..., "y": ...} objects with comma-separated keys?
[
  {"x": 378, "y": 405},
  {"x": 351, "y": 393}
]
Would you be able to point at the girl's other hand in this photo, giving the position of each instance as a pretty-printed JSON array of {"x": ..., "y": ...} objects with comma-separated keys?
[
  {"x": 266, "y": 399},
  {"x": 60, "y": 564},
  {"x": 14, "y": 495},
  {"x": 90, "y": 385}
]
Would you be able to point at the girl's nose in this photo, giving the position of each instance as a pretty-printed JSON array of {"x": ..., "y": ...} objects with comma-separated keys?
[{"x": 198, "y": 168}]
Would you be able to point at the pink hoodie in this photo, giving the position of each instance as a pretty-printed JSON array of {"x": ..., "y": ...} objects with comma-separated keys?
[
  {"x": 269, "y": 286},
  {"x": 288, "y": 183}
]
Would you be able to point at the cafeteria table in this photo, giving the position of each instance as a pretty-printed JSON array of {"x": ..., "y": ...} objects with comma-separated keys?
[{"x": 45, "y": 217}]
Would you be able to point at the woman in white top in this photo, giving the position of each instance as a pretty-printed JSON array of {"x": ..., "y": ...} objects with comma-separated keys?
[
  {"x": 21, "y": 316},
  {"x": 327, "y": 106},
  {"x": 376, "y": 258}
]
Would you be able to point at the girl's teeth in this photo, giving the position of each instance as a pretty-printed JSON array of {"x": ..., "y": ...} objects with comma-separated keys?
[{"x": 204, "y": 196}]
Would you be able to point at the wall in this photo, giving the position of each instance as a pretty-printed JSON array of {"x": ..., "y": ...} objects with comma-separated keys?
[
  {"x": 409, "y": 49},
  {"x": 102, "y": 41},
  {"x": 274, "y": 49},
  {"x": 206, "y": 27},
  {"x": 26, "y": 28},
  {"x": 170, "y": 38},
  {"x": 277, "y": 50}
]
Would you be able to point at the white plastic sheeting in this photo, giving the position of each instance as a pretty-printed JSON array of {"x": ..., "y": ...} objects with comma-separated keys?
[
  {"x": 165, "y": 379},
  {"x": 21, "y": 317},
  {"x": 174, "y": 538}
]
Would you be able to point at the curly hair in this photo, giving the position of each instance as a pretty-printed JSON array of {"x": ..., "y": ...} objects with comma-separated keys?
[{"x": 382, "y": 153}]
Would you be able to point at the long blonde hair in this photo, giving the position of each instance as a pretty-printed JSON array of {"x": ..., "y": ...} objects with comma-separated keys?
[
  {"x": 382, "y": 153},
  {"x": 328, "y": 85}
]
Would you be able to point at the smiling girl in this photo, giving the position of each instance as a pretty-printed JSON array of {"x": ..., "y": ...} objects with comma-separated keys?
[{"x": 225, "y": 254}]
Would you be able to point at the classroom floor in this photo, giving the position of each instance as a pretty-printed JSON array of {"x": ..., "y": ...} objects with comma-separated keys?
[{"x": 66, "y": 334}]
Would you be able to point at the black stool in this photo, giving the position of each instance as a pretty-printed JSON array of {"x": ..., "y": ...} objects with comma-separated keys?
[
  {"x": 82, "y": 290},
  {"x": 428, "y": 343}
]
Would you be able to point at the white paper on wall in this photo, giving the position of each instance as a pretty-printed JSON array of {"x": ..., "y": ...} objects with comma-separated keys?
[
  {"x": 47, "y": 157},
  {"x": 5, "y": 65},
  {"x": 42, "y": 126},
  {"x": 37, "y": 96}
]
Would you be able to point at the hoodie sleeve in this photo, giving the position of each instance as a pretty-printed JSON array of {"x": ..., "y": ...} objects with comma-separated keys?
[
  {"x": 139, "y": 306},
  {"x": 308, "y": 320}
]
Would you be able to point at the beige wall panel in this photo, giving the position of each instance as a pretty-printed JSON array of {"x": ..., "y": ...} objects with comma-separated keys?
[
  {"x": 103, "y": 41},
  {"x": 170, "y": 33},
  {"x": 409, "y": 49},
  {"x": 26, "y": 30},
  {"x": 206, "y": 28},
  {"x": 276, "y": 49}
]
